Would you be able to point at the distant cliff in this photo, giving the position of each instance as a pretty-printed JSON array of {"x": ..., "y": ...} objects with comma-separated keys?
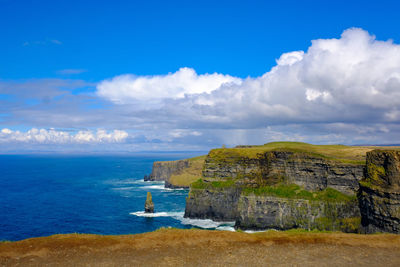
[
  {"x": 284, "y": 186},
  {"x": 162, "y": 170},
  {"x": 178, "y": 173}
]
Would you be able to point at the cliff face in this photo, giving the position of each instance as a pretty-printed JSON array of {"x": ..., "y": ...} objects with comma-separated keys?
[
  {"x": 162, "y": 170},
  {"x": 311, "y": 172},
  {"x": 260, "y": 212},
  {"x": 243, "y": 189},
  {"x": 380, "y": 192},
  {"x": 214, "y": 203}
]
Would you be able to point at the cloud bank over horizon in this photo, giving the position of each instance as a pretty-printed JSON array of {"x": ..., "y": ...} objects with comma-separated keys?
[
  {"x": 340, "y": 90},
  {"x": 53, "y": 136}
]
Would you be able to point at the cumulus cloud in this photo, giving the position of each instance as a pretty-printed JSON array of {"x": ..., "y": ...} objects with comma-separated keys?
[
  {"x": 53, "y": 136},
  {"x": 355, "y": 78},
  {"x": 132, "y": 89}
]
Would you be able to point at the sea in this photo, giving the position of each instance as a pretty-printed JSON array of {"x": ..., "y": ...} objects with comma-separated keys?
[{"x": 42, "y": 195}]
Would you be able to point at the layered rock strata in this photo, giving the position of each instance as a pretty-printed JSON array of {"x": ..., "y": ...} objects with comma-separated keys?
[
  {"x": 229, "y": 190},
  {"x": 261, "y": 212},
  {"x": 380, "y": 192},
  {"x": 307, "y": 170}
]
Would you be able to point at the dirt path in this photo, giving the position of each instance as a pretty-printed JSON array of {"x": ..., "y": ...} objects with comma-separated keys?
[{"x": 172, "y": 247}]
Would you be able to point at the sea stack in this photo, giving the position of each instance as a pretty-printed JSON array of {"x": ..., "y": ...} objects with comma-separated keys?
[{"x": 149, "y": 205}]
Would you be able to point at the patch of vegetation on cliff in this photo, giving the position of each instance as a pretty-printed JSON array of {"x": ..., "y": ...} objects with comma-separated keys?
[
  {"x": 341, "y": 153},
  {"x": 374, "y": 175},
  {"x": 347, "y": 225},
  {"x": 293, "y": 191},
  {"x": 200, "y": 184},
  {"x": 188, "y": 175}
]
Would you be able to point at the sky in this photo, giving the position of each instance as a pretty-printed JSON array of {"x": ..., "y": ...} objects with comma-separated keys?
[{"x": 126, "y": 76}]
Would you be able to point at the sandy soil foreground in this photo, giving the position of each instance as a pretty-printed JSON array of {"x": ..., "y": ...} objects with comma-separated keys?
[{"x": 173, "y": 247}]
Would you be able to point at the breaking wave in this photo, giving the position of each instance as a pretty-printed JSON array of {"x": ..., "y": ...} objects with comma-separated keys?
[
  {"x": 161, "y": 187},
  {"x": 158, "y": 214},
  {"x": 200, "y": 223}
]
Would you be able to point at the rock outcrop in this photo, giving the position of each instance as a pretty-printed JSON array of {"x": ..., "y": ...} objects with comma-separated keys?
[
  {"x": 380, "y": 192},
  {"x": 149, "y": 205}
]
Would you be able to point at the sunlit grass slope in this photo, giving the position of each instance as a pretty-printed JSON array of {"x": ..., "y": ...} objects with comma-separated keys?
[
  {"x": 345, "y": 154},
  {"x": 188, "y": 175}
]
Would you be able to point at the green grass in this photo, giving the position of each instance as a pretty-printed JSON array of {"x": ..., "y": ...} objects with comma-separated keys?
[
  {"x": 374, "y": 175},
  {"x": 341, "y": 153},
  {"x": 294, "y": 191},
  {"x": 200, "y": 184}
]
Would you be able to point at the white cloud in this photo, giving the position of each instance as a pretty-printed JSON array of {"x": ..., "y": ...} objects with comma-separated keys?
[
  {"x": 53, "y": 136},
  {"x": 354, "y": 78},
  {"x": 131, "y": 89},
  {"x": 290, "y": 58},
  {"x": 178, "y": 133}
]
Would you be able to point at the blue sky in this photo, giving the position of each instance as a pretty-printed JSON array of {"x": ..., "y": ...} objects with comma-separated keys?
[{"x": 199, "y": 74}]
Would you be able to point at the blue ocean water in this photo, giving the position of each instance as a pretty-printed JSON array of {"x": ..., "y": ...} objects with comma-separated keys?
[{"x": 45, "y": 195}]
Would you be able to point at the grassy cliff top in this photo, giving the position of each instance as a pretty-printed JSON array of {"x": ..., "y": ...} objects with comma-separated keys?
[
  {"x": 195, "y": 159},
  {"x": 342, "y": 153},
  {"x": 188, "y": 175}
]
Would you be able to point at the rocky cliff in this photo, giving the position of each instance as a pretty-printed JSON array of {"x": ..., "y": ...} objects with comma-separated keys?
[
  {"x": 178, "y": 173},
  {"x": 162, "y": 170},
  {"x": 380, "y": 192},
  {"x": 281, "y": 188},
  {"x": 310, "y": 171},
  {"x": 265, "y": 211}
]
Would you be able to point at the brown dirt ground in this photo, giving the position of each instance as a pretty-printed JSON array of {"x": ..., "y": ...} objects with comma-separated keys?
[{"x": 173, "y": 247}]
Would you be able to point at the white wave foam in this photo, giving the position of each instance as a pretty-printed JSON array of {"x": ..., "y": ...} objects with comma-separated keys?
[
  {"x": 176, "y": 215},
  {"x": 129, "y": 181},
  {"x": 124, "y": 188},
  {"x": 160, "y": 187},
  {"x": 207, "y": 223},
  {"x": 154, "y": 182},
  {"x": 258, "y": 231},
  {"x": 175, "y": 189},
  {"x": 226, "y": 228},
  {"x": 200, "y": 223}
]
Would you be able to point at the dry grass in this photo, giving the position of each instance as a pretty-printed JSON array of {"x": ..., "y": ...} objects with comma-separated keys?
[
  {"x": 188, "y": 175},
  {"x": 173, "y": 247}
]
